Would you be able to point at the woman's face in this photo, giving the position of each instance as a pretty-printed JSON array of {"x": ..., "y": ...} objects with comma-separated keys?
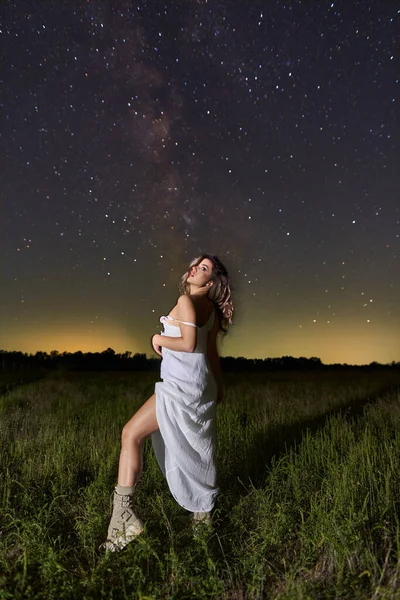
[{"x": 200, "y": 274}]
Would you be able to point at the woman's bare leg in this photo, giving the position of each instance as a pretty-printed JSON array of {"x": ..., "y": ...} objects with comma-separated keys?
[{"x": 137, "y": 429}]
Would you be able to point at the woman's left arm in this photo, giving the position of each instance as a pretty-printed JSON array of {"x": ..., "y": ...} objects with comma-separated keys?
[{"x": 187, "y": 340}]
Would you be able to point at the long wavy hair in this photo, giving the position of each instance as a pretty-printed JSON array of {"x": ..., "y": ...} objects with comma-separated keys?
[{"x": 220, "y": 291}]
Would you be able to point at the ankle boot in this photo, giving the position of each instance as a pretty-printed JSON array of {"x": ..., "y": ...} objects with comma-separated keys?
[
  {"x": 196, "y": 518},
  {"x": 124, "y": 526},
  {"x": 202, "y": 517}
]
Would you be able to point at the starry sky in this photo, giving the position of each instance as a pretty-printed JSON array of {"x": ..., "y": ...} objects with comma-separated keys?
[{"x": 137, "y": 134}]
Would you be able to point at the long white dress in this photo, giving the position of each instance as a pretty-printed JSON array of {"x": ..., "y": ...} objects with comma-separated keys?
[{"x": 185, "y": 444}]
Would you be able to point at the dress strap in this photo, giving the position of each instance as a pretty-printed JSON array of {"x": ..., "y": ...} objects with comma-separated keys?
[{"x": 179, "y": 321}]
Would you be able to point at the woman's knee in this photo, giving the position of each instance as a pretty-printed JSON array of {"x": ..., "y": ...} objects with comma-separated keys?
[
  {"x": 142, "y": 424},
  {"x": 129, "y": 434},
  {"x": 132, "y": 434}
]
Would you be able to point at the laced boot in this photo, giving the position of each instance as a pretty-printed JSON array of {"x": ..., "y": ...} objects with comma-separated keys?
[{"x": 124, "y": 526}]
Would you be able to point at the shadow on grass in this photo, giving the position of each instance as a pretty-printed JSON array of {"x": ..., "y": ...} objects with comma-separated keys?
[
  {"x": 252, "y": 469},
  {"x": 11, "y": 381}
]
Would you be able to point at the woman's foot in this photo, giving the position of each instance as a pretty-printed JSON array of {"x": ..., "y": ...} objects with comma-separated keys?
[
  {"x": 124, "y": 526},
  {"x": 201, "y": 517},
  {"x": 196, "y": 518}
]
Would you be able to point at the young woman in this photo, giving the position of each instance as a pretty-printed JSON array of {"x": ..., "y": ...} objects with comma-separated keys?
[{"x": 180, "y": 415}]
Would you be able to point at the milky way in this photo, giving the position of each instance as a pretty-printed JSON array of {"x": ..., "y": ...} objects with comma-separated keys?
[{"x": 138, "y": 134}]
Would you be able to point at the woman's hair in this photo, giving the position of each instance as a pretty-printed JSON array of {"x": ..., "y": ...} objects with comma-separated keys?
[{"x": 220, "y": 291}]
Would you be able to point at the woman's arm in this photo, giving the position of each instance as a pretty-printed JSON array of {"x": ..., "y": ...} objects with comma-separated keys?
[
  {"x": 213, "y": 358},
  {"x": 186, "y": 342}
]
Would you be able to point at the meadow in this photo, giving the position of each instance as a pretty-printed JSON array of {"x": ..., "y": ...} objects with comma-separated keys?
[{"x": 309, "y": 503}]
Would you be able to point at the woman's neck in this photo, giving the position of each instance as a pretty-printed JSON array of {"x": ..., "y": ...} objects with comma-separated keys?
[{"x": 194, "y": 290}]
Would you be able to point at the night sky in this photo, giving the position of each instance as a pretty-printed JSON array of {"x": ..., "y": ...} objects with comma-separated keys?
[{"x": 137, "y": 134}]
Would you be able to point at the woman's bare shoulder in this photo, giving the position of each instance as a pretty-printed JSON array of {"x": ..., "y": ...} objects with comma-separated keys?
[{"x": 185, "y": 300}]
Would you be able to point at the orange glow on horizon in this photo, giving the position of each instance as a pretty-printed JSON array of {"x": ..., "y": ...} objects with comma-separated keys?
[
  {"x": 73, "y": 338},
  {"x": 354, "y": 345},
  {"x": 351, "y": 344}
]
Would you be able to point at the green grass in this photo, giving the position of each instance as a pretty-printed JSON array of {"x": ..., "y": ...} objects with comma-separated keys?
[{"x": 309, "y": 503}]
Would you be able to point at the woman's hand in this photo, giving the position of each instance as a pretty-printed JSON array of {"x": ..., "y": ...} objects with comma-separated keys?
[{"x": 156, "y": 347}]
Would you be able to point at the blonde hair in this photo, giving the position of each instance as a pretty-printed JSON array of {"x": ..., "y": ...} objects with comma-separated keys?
[{"x": 220, "y": 291}]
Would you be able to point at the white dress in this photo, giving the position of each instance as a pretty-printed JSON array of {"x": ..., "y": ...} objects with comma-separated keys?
[{"x": 186, "y": 412}]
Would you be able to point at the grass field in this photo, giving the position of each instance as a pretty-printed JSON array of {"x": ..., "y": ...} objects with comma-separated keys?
[{"x": 309, "y": 503}]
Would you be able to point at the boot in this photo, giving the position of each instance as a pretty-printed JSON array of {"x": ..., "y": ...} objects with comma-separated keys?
[
  {"x": 195, "y": 519},
  {"x": 201, "y": 517},
  {"x": 124, "y": 526}
]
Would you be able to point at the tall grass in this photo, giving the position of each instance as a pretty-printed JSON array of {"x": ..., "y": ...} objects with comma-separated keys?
[{"x": 309, "y": 503}]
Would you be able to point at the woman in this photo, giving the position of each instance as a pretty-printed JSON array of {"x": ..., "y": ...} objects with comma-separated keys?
[{"x": 180, "y": 416}]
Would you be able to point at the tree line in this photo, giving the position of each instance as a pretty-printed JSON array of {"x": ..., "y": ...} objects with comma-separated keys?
[{"x": 109, "y": 360}]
